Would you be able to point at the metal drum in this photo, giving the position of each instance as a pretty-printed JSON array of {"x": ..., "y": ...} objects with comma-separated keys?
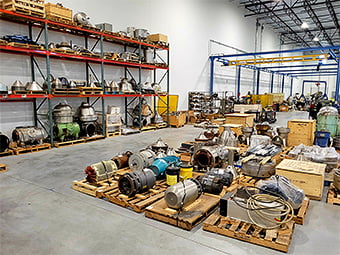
[
  {"x": 141, "y": 160},
  {"x": 28, "y": 135},
  {"x": 183, "y": 193}
]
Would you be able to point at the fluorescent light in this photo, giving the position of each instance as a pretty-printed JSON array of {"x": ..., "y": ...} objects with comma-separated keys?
[
  {"x": 304, "y": 25},
  {"x": 315, "y": 39},
  {"x": 324, "y": 61}
]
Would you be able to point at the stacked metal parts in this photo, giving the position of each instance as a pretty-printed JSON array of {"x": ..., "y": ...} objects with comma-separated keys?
[{"x": 65, "y": 128}]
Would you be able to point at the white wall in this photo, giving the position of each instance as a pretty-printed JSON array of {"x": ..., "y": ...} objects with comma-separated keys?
[{"x": 190, "y": 24}]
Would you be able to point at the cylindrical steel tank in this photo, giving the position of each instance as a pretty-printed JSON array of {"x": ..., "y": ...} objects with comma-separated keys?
[
  {"x": 28, "y": 135},
  {"x": 141, "y": 160},
  {"x": 136, "y": 182},
  {"x": 183, "y": 193}
]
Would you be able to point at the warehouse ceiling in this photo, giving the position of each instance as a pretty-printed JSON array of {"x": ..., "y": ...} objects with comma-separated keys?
[{"x": 286, "y": 17}]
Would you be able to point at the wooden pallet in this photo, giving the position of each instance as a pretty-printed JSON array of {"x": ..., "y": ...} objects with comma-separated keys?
[
  {"x": 90, "y": 91},
  {"x": 30, "y": 149},
  {"x": 97, "y": 189},
  {"x": 300, "y": 214},
  {"x": 176, "y": 126},
  {"x": 333, "y": 195},
  {"x": 28, "y": 7},
  {"x": 62, "y": 51},
  {"x": 60, "y": 20},
  {"x": 245, "y": 180},
  {"x": 114, "y": 134},
  {"x": 278, "y": 239},
  {"x": 189, "y": 217},
  {"x": 3, "y": 42},
  {"x": 137, "y": 203},
  {"x": 28, "y": 92},
  {"x": 160, "y": 125},
  {"x": 66, "y": 91},
  {"x": 69, "y": 143},
  {"x": 26, "y": 46},
  {"x": 3, "y": 168},
  {"x": 282, "y": 155},
  {"x": 8, "y": 152},
  {"x": 94, "y": 138},
  {"x": 88, "y": 54}
]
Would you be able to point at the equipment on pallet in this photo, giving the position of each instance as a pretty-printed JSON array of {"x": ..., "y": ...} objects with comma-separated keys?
[
  {"x": 129, "y": 56},
  {"x": 33, "y": 86},
  {"x": 159, "y": 145},
  {"x": 55, "y": 83},
  {"x": 283, "y": 188},
  {"x": 183, "y": 193},
  {"x": 211, "y": 184},
  {"x": 264, "y": 150},
  {"x": 19, "y": 39},
  {"x": 172, "y": 174},
  {"x": 264, "y": 129},
  {"x": 147, "y": 88},
  {"x": 336, "y": 179},
  {"x": 100, "y": 171},
  {"x": 145, "y": 112},
  {"x": 263, "y": 210},
  {"x": 266, "y": 116},
  {"x": 125, "y": 86},
  {"x": 111, "y": 86},
  {"x": 209, "y": 156},
  {"x": 142, "y": 159},
  {"x": 122, "y": 159},
  {"x": 64, "y": 128},
  {"x": 141, "y": 33},
  {"x": 82, "y": 19},
  {"x": 157, "y": 119},
  {"x": 160, "y": 164},
  {"x": 4, "y": 142},
  {"x": 258, "y": 167},
  {"x": 136, "y": 182},
  {"x": 87, "y": 119},
  {"x": 3, "y": 89},
  {"x": 226, "y": 175},
  {"x": 30, "y": 135},
  {"x": 18, "y": 86}
]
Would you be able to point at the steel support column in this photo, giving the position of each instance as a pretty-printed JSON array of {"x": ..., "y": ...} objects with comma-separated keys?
[
  {"x": 258, "y": 82},
  {"x": 291, "y": 86},
  {"x": 337, "y": 83},
  {"x": 238, "y": 91},
  {"x": 283, "y": 84},
  {"x": 271, "y": 82},
  {"x": 212, "y": 70}
]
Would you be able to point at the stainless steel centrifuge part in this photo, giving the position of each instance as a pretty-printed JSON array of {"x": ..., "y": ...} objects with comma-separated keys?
[
  {"x": 17, "y": 86},
  {"x": 183, "y": 193},
  {"x": 62, "y": 113},
  {"x": 283, "y": 133},
  {"x": 159, "y": 145},
  {"x": 87, "y": 113},
  {"x": 82, "y": 19},
  {"x": 157, "y": 118},
  {"x": 227, "y": 137},
  {"x": 33, "y": 86},
  {"x": 247, "y": 131}
]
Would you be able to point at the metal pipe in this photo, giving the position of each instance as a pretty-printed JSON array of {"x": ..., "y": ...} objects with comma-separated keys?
[
  {"x": 212, "y": 70},
  {"x": 337, "y": 83}
]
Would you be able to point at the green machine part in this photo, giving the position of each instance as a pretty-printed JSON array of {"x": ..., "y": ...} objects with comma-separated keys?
[{"x": 66, "y": 131}]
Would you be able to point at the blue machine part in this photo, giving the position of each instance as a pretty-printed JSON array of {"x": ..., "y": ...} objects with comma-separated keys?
[{"x": 160, "y": 164}]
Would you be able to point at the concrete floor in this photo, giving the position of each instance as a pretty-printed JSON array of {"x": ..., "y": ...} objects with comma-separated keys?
[{"x": 41, "y": 214}]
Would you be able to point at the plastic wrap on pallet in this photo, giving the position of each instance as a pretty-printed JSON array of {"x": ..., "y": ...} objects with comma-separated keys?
[
  {"x": 281, "y": 186},
  {"x": 256, "y": 140},
  {"x": 325, "y": 155},
  {"x": 265, "y": 150}
]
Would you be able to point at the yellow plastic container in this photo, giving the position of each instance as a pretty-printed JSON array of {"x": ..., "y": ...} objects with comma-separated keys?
[{"x": 185, "y": 171}]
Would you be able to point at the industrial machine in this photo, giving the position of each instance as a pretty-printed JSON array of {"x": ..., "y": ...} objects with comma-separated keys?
[
  {"x": 100, "y": 171},
  {"x": 28, "y": 136}
]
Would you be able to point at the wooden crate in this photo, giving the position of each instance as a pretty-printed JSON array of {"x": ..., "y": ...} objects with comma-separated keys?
[
  {"x": 157, "y": 38},
  {"x": 189, "y": 217},
  {"x": 177, "y": 120},
  {"x": 30, "y": 149},
  {"x": 306, "y": 175},
  {"x": 3, "y": 168},
  {"x": 247, "y": 108},
  {"x": 301, "y": 131},
  {"x": 300, "y": 214},
  {"x": 240, "y": 118},
  {"x": 137, "y": 203},
  {"x": 278, "y": 239},
  {"x": 57, "y": 10},
  {"x": 333, "y": 195},
  {"x": 34, "y": 8},
  {"x": 277, "y": 97}
]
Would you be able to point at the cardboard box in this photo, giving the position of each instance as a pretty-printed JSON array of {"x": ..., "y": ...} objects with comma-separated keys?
[
  {"x": 306, "y": 175},
  {"x": 157, "y": 38}
]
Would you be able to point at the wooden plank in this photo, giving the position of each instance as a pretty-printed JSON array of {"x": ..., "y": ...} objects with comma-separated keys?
[
  {"x": 333, "y": 195},
  {"x": 3, "y": 168},
  {"x": 8, "y": 152},
  {"x": 94, "y": 138},
  {"x": 69, "y": 143},
  {"x": 278, "y": 239},
  {"x": 188, "y": 217},
  {"x": 30, "y": 149},
  {"x": 300, "y": 215}
]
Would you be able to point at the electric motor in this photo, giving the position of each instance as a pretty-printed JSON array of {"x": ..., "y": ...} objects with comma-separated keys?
[
  {"x": 160, "y": 164},
  {"x": 122, "y": 160},
  {"x": 28, "y": 135},
  {"x": 4, "y": 142},
  {"x": 136, "y": 182},
  {"x": 211, "y": 184},
  {"x": 224, "y": 174},
  {"x": 141, "y": 160},
  {"x": 207, "y": 156},
  {"x": 183, "y": 193},
  {"x": 100, "y": 171}
]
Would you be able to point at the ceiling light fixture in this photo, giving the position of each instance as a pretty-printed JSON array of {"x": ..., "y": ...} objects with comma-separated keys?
[
  {"x": 315, "y": 39},
  {"x": 304, "y": 25}
]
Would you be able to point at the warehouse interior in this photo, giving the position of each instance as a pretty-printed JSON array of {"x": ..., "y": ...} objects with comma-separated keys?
[{"x": 161, "y": 127}]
